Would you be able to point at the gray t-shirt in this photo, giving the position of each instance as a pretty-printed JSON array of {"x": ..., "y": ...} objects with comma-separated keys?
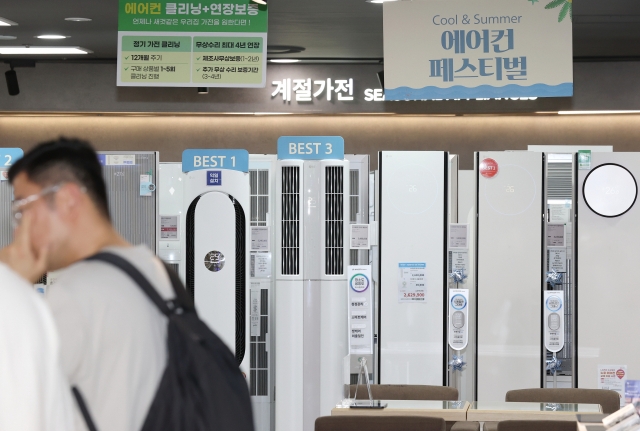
[{"x": 113, "y": 338}]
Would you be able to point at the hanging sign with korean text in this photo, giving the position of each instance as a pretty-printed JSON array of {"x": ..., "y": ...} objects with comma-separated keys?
[
  {"x": 461, "y": 49},
  {"x": 170, "y": 44}
]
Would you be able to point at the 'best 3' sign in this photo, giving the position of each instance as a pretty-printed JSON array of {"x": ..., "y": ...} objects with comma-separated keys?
[{"x": 310, "y": 147}]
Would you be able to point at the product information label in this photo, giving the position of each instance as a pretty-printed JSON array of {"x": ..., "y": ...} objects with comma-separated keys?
[
  {"x": 553, "y": 313},
  {"x": 117, "y": 159},
  {"x": 360, "y": 310},
  {"x": 557, "y": 259},
  {"x": 169, "y": 227},
  {"x": 560, "y": 213},
  {"x": 458, "y": 318},
  {"x": 555, "y": 235},
  {"x": 171, "y": 44},
  {"x": 360, "y": 237},
  {"x": 458, "y": 236},
  {"x": 255, "y": 312},
  {"x": 613, "y": 378},
  {"x": 146, "y": 186},
  {"x": 459, "y": 260},
  {"x": 412, "y": 282},
  {"x": 260, "y": 238},
  {"x": 260, "y": 266}
]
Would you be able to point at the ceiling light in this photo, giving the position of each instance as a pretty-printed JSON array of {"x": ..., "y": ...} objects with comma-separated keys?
[
  {"x": 379, "y": 1},
  {"x": 284, "y": 60},
  {"x": 8, "y": 37},
  {"x": 78, "y": 19},
  {"x": 51, "y": 36},
  {"x": 260, "y": 1},
  {"x": 42, "y": 50},
  {"x": 6, "y": 22},
  {"x": 596, "y": 112}
]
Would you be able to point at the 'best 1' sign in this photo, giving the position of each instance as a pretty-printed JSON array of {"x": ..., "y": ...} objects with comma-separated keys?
[
  {"x": 310, "y": 147},
  {"x": 195, "y": 160}
]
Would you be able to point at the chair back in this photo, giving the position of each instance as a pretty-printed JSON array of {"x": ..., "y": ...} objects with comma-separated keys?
[
  {"x": 537, "y": 426},
  {"x": 379, "y": 423},
  {"x": 608, "y": 400},
  {"x": 406, "y": 392}
]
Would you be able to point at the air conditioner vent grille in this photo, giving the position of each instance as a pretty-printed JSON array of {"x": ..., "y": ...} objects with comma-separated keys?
[
  {"x": 334, "y": 220},
  {"x": 259, "y": 179},
  {"x": 290, "y": 220},
  {"x": 560, "y": 183}
]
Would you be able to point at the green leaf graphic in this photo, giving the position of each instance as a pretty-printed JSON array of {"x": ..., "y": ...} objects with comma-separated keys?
[
  {"x": 554, "y": 3},
  {"x": 564, "y": 11},
  {"x": 571, "y": 11}
]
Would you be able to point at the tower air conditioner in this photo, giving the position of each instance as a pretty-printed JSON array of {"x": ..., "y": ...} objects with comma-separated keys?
[
  {"x": 131, "y": 179},
  {"x": 171, "y": 201},
  {"x": 311, "y": 294},
  {"x": 8, "y": 156},
  {"x": 413, "y": 221},
  {"x": 262, "y": 175},
  {"x": 510, "y": 267},
  {"x": 216, "y": 245}
]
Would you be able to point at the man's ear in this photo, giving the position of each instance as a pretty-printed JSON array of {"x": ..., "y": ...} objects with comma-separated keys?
[{"x": 68, "y": 200}]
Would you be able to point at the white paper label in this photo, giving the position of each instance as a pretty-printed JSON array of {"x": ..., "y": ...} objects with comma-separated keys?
[
  {"x": 553, "y": 320},
  {"x": 458, "y": 318},
  {"x": 558, "y": 259},
  {"x": 458, "y": 236},
  {"x": 459, "y": 259},
  {"x": 255, "y": 313},
  {"x": 360, "y": 237},
  {"x": 412, "y": 282},
  {"x": 555, "y": 235},
  {"x": 613, "y": 378},
  {"x": 360, "y": 309},
  {"x": 260, "y": 238},
  {"x": 120, "y": 160},
  {"x": 260, "y": 265},
  {"x": 560, "y": 213},
  {"x": 4, "y": 175},
  {"x": 169, "y": 227}
]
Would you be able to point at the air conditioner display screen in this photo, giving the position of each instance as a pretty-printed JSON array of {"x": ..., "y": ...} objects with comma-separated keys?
[{"x": 610, "y": 190}]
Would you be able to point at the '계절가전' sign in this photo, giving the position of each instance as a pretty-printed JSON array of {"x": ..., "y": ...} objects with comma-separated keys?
[
  {"x": 462, "y": 49},
  {"x": 171, "y": 44}
]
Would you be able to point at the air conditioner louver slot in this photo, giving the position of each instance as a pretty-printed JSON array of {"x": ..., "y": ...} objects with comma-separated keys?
[
  {"x": 560, "y": 183},
  {"x": 259, "y": 353},
  {"x": 334, "y": 220},
  {"x": 6, "y": 197},
  {"x": 259, "y": 179},
  {"x": 290, "y": 220}
]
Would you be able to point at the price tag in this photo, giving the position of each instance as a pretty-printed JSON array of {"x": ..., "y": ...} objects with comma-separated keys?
[
  {"x": 458, "y": 236},
  {"x": 260, "y": 238},
  {"x": 412, "y": 282},
  {"x": 169, "y": 227},
  {"x": 555, "y": 235},
  {"x": 360, "y": 237}
]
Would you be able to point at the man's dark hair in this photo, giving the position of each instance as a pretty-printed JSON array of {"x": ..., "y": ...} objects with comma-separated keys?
[{"x": 65, "y": 160}]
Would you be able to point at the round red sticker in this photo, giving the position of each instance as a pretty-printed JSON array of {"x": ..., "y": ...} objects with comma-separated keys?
[
  {"x": 620, "y": 374},
  {"x": 488, "y": 168}
]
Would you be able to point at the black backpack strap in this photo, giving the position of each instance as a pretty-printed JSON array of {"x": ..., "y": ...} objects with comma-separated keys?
[
  {"x": 165, "y": 307},
  {"x": 83, "y": 409}
]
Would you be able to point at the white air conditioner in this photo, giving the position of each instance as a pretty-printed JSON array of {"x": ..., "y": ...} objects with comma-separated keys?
[
  {"x": 509, "y": 271},
  {"x": 131, "y": 178},
  {"x": 216, "y": 251},
  {"x": 311, "y": 293},
  {"x": 170, "y": 190},
  {"x": 262, "y": 175},
  {"x": 413, "y": 220}
]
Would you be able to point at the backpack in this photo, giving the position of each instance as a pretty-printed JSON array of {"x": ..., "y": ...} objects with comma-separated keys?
[{"x": 202, "y": 388}]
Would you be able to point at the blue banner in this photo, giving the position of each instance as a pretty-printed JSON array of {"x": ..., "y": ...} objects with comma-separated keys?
[
  {"x": 310, "y": 148},
  {"x": 195, "y": 160},
  {"x": 8, "y": 156}
]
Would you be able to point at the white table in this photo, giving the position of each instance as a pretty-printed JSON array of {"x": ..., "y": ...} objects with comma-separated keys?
[
  {"x": 452, "y": 411},
  {"x": 480, "y": 411}
]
